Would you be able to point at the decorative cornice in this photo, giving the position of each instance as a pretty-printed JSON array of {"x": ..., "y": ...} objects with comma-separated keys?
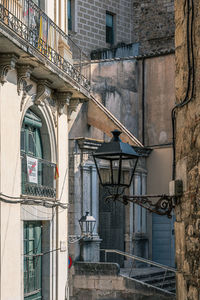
[
  {"x": 43, "y": 92},
  {"x": 7, "y": 62},
  {"x": 62, "y": 99}
]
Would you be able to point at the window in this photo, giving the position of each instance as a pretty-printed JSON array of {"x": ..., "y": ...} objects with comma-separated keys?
[
  {"x": 32, "y": 260},
  {"x": 109, "y": 28},
  {"x": 69, "y": 12},
  {"x": 37, "y": 173}
]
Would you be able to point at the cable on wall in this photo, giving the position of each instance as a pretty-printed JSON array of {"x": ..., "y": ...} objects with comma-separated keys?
[{"x": 189, "y": 5}]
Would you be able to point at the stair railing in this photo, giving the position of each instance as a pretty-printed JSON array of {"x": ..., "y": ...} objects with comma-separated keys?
[{"x": 140, "y": 259}]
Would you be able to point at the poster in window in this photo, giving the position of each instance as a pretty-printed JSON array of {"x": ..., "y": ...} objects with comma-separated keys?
[{"x": 32, "y": 169}]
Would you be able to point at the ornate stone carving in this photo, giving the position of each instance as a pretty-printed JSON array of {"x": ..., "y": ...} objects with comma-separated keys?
[
  {"x": 43, "y": 92},
  {"x": 62, "y": 99},
  {"x": 73, "y": 104},
  {"x": 7, "y": 62},
  {"x": 23, "y": 73}
]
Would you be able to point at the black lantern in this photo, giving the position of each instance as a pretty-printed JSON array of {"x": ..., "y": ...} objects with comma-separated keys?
[
  {"x": 87, "y": 224},
  {"x": 115, "y": 157}
]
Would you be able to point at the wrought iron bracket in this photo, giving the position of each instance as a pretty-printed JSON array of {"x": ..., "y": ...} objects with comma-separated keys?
[{"x": 159, "y": 204}]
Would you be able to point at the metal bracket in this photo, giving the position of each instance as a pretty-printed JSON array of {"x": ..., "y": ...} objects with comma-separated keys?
[{"x": 161, "y": 206}]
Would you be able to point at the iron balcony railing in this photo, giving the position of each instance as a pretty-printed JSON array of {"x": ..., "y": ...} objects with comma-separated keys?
[
  {"x": 38, "y": 177},
  {"x": 28, "y": 21}
]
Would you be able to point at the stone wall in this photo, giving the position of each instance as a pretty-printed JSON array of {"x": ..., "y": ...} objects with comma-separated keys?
[
  {"x": 93, "y": 281},
  {"x": 153, "y": 24},
  {"x": 149, "y": 23},
  {"x": 91, "y": 23},
  {"x": 187, "y": 155}
]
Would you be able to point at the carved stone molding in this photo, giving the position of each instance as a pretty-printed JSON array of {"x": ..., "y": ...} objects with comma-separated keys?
[
  {"x": 62, "y": 99},
  {"x": 23, "y": 73},
  {"x": 73, "y": 104},
  {"x": 7, "y": 62},
  {"x": 43, "y": 92},
  {"x": 53, "y": 110}
]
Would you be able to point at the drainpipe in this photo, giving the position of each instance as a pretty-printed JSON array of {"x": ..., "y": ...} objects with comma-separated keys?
[
  {"x": 143, "y": 101},
  {"x": 57, "y": 221}
]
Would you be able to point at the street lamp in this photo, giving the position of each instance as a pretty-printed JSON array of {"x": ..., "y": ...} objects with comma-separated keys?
[
  {"x": 87, "y": 224},
  {"x": 117, "y": 156}
]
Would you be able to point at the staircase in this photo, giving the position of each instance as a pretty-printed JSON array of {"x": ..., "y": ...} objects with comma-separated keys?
[{"x": 158, "y": 278}]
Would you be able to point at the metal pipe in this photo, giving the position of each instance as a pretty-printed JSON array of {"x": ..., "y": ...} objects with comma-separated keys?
[{"x": 141, "y": 259}]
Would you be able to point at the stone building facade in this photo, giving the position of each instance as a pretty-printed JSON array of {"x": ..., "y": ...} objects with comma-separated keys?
[
  {"x": 139, "y": 92},
  {"x": 149, "y": 24},
  {"x": 153, "y": 25},
  {"x": 187, "y": 149}
]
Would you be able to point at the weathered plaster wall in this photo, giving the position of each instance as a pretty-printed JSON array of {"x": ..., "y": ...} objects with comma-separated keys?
[
  {"x": 115, "y": 84},
  {"x": 187, "y": 159},
  {"x": 159, "y": 99}
]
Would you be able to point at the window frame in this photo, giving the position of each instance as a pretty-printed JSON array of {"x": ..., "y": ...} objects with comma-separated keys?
[{"x": 110, "y": 30}]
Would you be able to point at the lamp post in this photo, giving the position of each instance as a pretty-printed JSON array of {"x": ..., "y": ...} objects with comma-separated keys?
[
  {"x": 117, "y": 156},
  {"x": 89, "y": 242}
]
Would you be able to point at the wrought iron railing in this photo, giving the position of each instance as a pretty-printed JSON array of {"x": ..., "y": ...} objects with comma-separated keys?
[
  {"x": 38, "y": 177},
  {"x": 28, "y": 21}
]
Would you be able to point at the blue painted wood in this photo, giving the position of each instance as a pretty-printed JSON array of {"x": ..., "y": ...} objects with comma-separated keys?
[{"x": 163, "y": 245}]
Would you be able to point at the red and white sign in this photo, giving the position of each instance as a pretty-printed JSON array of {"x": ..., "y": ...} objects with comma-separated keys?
[{"x": 32, "y": 169}]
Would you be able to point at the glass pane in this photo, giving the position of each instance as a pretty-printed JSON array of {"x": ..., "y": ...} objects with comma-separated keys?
[
  {"x": 23, "y": 139},
  {"x": 109, "y": 20},
  {"x": 31, "y": 144},
  {"x": 32, "y": 262}
]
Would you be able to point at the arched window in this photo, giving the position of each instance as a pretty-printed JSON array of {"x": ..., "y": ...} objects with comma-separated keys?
[{"x": 37, "y": 173}]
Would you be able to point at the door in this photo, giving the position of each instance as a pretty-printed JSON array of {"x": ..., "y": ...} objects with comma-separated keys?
[
  {"x": 33, "y": 260},
  {"x": 163, "y": 244}
]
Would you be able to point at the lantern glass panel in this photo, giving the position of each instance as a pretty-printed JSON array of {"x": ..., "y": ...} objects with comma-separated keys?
[{"x": 114, "y": 171}]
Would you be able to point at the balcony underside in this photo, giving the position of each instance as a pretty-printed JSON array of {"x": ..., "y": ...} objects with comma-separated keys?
[{"x": 10, "y": 42}]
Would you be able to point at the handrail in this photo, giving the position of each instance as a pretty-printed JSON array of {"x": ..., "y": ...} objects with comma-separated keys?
[{"x": 150, "y": 262}]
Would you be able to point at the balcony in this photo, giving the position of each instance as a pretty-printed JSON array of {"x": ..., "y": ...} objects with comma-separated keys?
[
  {"x": 38, "y": 177},
  {"x": 39, "y": 32}
]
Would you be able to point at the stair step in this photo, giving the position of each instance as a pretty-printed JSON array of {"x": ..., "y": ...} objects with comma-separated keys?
[
  {"x": 143, "y": 276},
  {"x": 158, "y": 279}
]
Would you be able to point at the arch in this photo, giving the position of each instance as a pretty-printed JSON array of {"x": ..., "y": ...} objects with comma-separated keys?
[{"x": 47, "y": 130}]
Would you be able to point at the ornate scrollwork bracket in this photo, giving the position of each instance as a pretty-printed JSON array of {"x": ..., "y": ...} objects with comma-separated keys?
[
  {"x": 43, "y": 92},
  {"x": 161, "y": 206},
  {"x": 23, "y": 73},
  {"x": 7, "y": 63},
  {"x": 62, "y": 99}
]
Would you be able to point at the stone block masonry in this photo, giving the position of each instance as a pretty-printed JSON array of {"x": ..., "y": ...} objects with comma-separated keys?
[
  {"x": 188, "y": 153},
  {"x": 149, "y": 23},
  {"x": 93, "y": 281},
  {"x": 153, "y": 25},
  {"x": 92, "y": 13}
]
